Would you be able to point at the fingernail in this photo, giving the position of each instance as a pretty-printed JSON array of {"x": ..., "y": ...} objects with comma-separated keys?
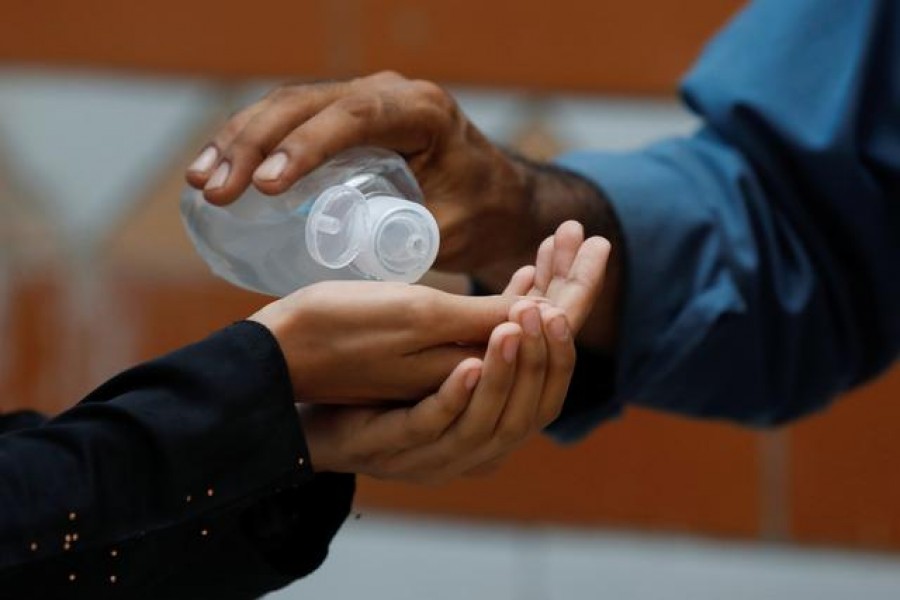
[
  {"x": 220, "y": 176},
  {"x": 559, "y": 328},
  {"x": 510, "y": 348},
  {"x": 272, "y": 167},
  {"x": 205, "y": 160},
  {"x": 531, "y": 322},
  {"x": 472, "y": 378}
]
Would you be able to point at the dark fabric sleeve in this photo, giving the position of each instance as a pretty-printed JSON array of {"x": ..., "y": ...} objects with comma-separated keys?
[
  {"x": 161, "y": 468},
  {"x": 264, "y": 547}
]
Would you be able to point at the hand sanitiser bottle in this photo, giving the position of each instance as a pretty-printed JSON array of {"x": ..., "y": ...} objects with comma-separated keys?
[{"x": 358, "y": 216}]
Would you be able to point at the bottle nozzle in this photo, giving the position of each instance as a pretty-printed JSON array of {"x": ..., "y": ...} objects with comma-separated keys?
[
  {"x": 383, "y": 237},
  {"x": 402, "y": 242}
]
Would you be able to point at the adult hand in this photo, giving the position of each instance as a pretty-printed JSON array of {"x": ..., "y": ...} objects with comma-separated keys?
[
  {"x": 358, "y": 340},
  {"x": 476, "y": 192}
]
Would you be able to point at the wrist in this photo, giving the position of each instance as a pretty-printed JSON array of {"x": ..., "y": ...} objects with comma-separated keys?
[
  {"x": 281, "y": 321},
  {"x": 551, "y": 195},
  {"x": 516, "y": 186}
]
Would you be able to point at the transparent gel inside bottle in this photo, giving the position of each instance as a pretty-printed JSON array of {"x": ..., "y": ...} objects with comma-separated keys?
[{"x": 358, "y": 216}]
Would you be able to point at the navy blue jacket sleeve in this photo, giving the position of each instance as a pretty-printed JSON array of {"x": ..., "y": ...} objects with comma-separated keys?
[
  {"x": 189, "y": 472},
  {"x": 762, "y": 255}
]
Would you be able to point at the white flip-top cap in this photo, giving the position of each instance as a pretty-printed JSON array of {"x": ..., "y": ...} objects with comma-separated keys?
[
  {"x": 402, "y": 241},
  {"x": 335, "y": 226},
  {"x": 383, "y": 237}
]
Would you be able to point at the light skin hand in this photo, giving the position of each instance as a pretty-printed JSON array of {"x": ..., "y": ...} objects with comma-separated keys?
[
  {"x": 357, "y": 341},
  {"x": 568, "y": 271},
  {"x": 521, "y": 384},
  {"x": 507, "y": 407}
]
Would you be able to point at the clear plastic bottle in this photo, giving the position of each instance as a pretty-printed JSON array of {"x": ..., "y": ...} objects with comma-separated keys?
[{"x": 358, "y": 216}]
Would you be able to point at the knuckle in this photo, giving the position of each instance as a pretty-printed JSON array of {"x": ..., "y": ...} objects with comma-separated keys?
[
  {"x": 229, "y": 131},
  {"x": 282, "y": 93},
  {"x": 433, "y": 93},
  {"x": 244, "y": 147},
  {"x": 363, "y": 107}
]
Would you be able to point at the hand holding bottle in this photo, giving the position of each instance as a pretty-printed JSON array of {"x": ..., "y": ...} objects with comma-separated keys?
[
  {"x": 476, "y": 192},
  {"x": 358, "y": 216}
]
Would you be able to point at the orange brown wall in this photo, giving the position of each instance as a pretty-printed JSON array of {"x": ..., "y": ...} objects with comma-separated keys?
[{"x": 638, "y": 46}]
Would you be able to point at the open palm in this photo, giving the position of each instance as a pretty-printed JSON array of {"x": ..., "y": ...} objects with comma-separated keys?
[{"x": 568, "y": 271}]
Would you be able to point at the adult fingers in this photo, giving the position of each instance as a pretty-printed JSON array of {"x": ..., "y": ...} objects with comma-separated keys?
[
  {"x": 247, "y": 154},
  {"x": 397, "y": 119},
  {"x": 200, "y": 170}
]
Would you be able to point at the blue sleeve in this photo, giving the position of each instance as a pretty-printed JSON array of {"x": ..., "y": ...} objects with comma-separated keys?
[{"x": 762, "y": 255}]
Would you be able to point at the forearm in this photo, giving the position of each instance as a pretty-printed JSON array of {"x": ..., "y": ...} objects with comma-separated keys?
[{"x": 554, "y": 194}]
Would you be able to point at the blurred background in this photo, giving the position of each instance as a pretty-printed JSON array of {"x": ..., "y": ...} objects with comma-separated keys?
[{"x": 102, "y": 105}]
